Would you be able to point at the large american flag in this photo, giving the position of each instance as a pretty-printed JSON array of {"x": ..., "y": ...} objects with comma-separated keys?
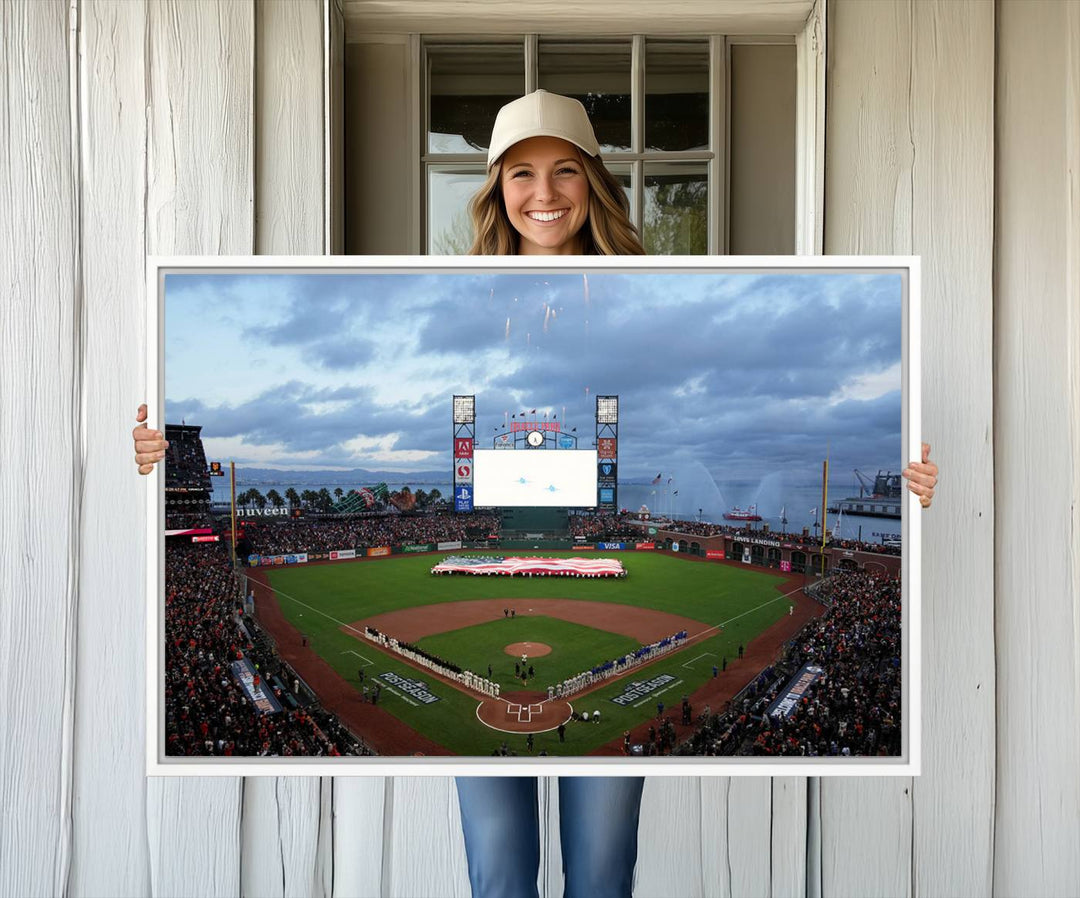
[{"x": 510, "y": 566}]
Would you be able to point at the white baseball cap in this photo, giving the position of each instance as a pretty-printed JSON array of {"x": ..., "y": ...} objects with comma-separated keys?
[{"x": 541, "y": 114}]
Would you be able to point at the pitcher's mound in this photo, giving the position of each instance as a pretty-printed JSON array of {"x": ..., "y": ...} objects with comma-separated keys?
[{"x": 532, "y": 649}]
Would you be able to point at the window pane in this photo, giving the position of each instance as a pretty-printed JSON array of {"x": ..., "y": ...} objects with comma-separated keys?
[
  {"x": 676, "y": 209},
  {"x": 449, "y": 192},
  {"x": 597, "y": 74},
  {"x": 762, "y": 196},
  {"x": 467, "y": 85},
  {"x": 676, "y": 95}
]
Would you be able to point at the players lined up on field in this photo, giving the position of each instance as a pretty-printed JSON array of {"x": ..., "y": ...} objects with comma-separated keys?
[
  {"x": 207, "y": 712},
  {"x": 853, "y": 710},
  {"x": 291, "y": 536},
  {"x": 608, "y": 669},
  {"x": 425, "y": 659}
]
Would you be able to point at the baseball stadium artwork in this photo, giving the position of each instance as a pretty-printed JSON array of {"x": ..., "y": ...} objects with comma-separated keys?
[{"x": 480, "y": 516}]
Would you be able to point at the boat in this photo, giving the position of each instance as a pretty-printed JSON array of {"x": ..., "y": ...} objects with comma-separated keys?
[
  {"x": 738, "y": 514},
  {"x": 880, "y": 498}
]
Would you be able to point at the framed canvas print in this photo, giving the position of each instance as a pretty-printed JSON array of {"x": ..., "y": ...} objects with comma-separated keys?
[{"x": 487, "y": 516}]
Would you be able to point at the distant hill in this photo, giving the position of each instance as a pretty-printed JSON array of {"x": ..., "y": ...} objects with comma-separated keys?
[{"x": 358, "y": 476}]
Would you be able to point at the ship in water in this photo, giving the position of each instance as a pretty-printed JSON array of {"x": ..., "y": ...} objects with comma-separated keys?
[
  {"x": 738, "y": 514},
  {"x": 878, "y": 498}
]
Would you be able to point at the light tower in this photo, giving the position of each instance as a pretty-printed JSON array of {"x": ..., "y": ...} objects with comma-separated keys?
[
  {"x": 464, "y": 441},
  {"x": 607, "y": 453}
]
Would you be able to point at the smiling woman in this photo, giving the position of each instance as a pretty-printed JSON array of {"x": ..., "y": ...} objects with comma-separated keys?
[
  {"x": 547, "y": 190},
  {"x": 546, "y": 195}
]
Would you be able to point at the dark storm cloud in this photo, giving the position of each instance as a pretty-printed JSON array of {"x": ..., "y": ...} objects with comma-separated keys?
[
  {"x": 720, "y": 378},
  {"x": 809, "y": 349},
  {"x": 738, "y": 375},
  {"x": 340, "y": 353}
]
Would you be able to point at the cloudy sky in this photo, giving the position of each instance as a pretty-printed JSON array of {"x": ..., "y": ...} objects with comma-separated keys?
[{"x": 742, "y": 376}]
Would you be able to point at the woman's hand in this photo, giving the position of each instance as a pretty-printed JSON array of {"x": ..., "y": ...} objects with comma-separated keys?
[
  {"x": 150, "y": 445},
  {"x": 922, "y": 477}
]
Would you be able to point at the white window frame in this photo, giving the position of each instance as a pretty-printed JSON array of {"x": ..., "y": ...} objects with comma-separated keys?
[{"x": 809, "y": 42}]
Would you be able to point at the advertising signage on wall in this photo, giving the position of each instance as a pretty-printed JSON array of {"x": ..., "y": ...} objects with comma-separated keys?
[
  {"x": 463, "y": 498},
  {"x": 282, "y": 512}
]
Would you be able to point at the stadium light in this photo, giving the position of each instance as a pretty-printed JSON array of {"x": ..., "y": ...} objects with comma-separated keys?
[
  {"x": 607, "y": 409},
  {"x": 464, "y": 409}
]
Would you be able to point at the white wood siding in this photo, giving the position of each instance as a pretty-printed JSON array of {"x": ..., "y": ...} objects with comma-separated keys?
[
  {"x": 1037, "y": 361},
  {"x": 909, "y": 150},
  {"x": 41, "y": 452},
  {"x": 177, "y": 127},
  {"x": 109, "y": 818}
]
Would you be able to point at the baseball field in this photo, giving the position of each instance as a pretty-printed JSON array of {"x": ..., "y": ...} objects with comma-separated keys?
[{"x": 563, "y": 625}]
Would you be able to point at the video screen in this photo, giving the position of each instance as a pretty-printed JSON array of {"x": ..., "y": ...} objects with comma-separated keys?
[{"x": 539, "y": 479}]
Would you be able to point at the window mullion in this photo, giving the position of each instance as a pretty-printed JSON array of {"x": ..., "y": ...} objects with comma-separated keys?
[
  {"x": 718, "y": 131},
  {"x": 532, "y": 62}
]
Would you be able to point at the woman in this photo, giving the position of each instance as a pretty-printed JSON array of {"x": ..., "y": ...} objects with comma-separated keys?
[{"x": 548, "y": 193}]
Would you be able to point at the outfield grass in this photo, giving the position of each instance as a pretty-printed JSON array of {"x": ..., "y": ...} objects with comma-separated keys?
[{"x": 317, "y": 600}]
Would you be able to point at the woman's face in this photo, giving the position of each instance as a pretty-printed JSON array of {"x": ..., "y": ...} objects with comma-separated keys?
[{"x": 546, "y": 195}]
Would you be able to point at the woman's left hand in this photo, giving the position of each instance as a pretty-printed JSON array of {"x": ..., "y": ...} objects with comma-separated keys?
[{"x": 922, "y": 477}]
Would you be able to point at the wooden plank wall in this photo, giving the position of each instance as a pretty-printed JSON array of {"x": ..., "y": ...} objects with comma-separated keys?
[
  {"x": 196, "y": 127},
  {"x": 909, "y": 169},
  {"x": 1036, "y": 368},
  {"x": 41, "y": 447}
]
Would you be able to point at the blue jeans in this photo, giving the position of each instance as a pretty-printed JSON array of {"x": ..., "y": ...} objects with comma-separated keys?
[{"x": 598, "y": 822}]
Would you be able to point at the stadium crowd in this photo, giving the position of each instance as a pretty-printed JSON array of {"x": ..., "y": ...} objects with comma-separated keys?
[
  {"x": 603, "y": 526},
  {"x": 291, "y": 536},
  {"x": 704, "y": 528},
  {"x": 185, "y": 460},
  {"x": 207, "y": 711},
  {"x": 187, "y": 520},
  {"x": 852, "y": 709}
]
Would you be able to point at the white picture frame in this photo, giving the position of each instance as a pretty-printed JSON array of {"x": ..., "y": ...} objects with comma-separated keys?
[{"x": 907, "y": 764}]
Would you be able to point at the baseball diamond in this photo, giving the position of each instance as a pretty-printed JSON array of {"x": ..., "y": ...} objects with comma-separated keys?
[{"x": 322, "y": 615}]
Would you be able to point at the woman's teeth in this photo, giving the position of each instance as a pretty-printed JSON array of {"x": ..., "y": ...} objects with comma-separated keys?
[{"x": 546, "y": 216}]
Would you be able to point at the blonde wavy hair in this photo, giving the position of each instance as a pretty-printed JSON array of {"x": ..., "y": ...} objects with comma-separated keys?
[{"x": 607, "y": 231}]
